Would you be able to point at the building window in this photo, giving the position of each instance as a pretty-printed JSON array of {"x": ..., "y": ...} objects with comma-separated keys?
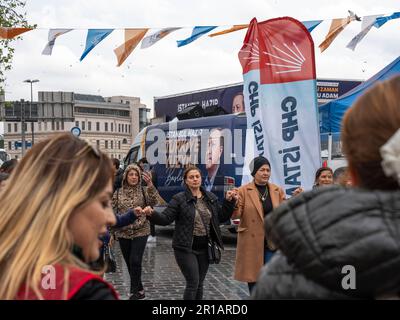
[
  {"x": 112, "y": 144},
  {"x": 45, "y": 126},
  {"x": 129, "y": 129},
  {"x": 58, "y": 126},
  {"x": 106, "y": 126},
  {"x": 52, "y": 125},
  {"x": 119, "y": 144},
  {"x": 15, "y": 127},
  {"x": 119, "y": 127},
  {"x": 97, "y": 126},
  {"x": 9, "y": 127},
  {"x": 9, "y": 145},
  {"x": 126, "y": 128},
  {"x": 119, "y": 156},
  {"x": 112, "y": 127},
  {"x": 98, "y": 143},
  {"x": 25, "y": 127},
  {"x": 40, "y": 126},
  {"x": 83, "y": 125},
  {"x": 89, "y": 124},
  {"x": 124, "y": 141},
  {"x": 76, "y": 123},
  {"x": 106, "y": 144},
  {"x": 62, "y": 125}
]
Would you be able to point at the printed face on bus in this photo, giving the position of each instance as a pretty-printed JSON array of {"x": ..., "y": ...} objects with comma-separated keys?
[
  {"x": 214, "y": 149},
  {"x": 238, "y": 103}
]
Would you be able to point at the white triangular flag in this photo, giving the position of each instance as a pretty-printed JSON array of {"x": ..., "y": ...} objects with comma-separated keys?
[
  {"x": 366, "y": 25},
  {"x": 153, "y": 38},
  {"x": 53, "y": 34}
]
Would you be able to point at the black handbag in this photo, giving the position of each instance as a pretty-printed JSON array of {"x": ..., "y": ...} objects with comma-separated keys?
[
  {"x": 213, "y": 250},
  {"x": 109, "y": 260}
]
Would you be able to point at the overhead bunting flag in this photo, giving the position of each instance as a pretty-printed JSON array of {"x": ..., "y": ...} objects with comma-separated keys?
[
  {"x": 337, "y": 26},
  {"x": 196, "y": 33},
  {"x": 9, "y": 33},
  {"x": 132, "y": 38},
  {"x": 366, "y": 25},
  {"x": 53, "y": 34},
  {"x": 155, "y": 37},
  {"x": 311, "y": 25},
  {"x": 382, "y": 20},
  {"x": 233, "y": 29},
  {"x": 93, "y": 38},
  {"x": 280, "y": 93}
]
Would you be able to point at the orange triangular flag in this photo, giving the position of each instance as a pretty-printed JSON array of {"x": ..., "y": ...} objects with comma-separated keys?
[
  {"x": 9, "y": 33},
  {"x": 337, "y": 26},
  {"x": 132, "y": 38},
  {"x": 234, "y": 28}
]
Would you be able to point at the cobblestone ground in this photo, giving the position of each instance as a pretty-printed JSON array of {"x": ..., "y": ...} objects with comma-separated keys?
[{"x": 163, "y": 280}]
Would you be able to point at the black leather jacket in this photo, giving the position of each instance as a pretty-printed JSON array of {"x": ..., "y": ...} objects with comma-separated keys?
[{"x": 181, "y": 209}]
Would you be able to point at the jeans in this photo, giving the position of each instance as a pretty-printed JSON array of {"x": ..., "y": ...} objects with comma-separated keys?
[
  {"x": 132, "y": 251},
  {"x": 194, "y": 267}
]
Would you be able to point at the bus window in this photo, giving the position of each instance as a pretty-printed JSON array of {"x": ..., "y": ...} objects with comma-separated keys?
[
  {"x": 3, "y": 156},
  {"x": 132, "y": 156}
]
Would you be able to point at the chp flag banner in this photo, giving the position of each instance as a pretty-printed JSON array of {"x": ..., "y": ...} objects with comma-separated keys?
[{"x": 280, "y": 93}]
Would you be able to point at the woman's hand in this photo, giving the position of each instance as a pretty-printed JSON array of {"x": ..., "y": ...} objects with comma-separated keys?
[
  {"x": 147, "y": 178},
  {"x": 148, "y": 211},
  {"x": 297, "y": 191},
  {"x": 138, "y": 211},
  {"x": 232, "y": 195}
]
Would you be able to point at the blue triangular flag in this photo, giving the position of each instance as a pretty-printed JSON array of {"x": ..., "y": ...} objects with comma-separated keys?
[
  {"x": 382, "y": 20},
  {"x": 196, "y": 33},
  {"x": 311, "y": 25},
  {"x": 94, "y": 37}
]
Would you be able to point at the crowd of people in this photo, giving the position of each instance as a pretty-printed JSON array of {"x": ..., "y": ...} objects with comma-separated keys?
[{"x": 65, "y": 201}]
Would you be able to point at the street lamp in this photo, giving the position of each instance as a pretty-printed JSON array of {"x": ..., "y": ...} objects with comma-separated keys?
[{"x": 32, "y": 124}]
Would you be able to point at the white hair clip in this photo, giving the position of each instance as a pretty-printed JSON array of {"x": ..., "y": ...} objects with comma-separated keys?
[{"x": 390, "y": 153}]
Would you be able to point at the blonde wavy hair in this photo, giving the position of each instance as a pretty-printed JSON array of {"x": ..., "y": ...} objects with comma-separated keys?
[{"x": 55, "y": 178}]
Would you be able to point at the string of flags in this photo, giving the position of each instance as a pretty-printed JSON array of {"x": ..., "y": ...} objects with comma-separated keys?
[{"x": 134, "y": 36}]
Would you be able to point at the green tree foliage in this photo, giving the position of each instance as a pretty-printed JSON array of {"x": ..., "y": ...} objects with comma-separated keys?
[{"x": 10, "y": 16}]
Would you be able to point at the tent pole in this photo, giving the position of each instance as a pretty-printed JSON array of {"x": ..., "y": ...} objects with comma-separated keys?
[{"x": 329, "y": 149}]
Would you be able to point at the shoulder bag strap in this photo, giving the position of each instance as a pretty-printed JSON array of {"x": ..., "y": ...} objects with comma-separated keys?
[{"x": 144, "y": 196}]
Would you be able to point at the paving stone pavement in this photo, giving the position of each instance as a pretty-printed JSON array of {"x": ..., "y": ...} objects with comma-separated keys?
[{"x": 163, "y": 280}]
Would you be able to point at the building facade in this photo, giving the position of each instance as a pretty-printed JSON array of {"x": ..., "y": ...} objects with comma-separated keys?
[{"x": 109, "y": 123}]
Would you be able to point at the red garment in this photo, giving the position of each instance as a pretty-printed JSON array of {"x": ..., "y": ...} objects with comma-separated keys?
[{"x": 77, "y": 279}]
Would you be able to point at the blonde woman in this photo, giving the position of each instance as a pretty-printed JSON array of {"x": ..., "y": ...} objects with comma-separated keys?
[{"x": 51, "y": 218}]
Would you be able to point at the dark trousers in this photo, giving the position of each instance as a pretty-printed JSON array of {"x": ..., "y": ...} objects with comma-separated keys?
[
  {"x": 152, "y": 229},
  {"x": 194, "y": 267},
  {"x": 132, "y": 251}
]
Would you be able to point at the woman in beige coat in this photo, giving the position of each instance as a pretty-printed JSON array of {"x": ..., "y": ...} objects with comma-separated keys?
[{"x": 256, "y": 200}]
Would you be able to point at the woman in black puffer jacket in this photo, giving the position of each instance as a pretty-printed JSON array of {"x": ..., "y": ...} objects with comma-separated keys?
[
  {"x": 339, "y": 243},
  {"x": 197, "y": 215}
]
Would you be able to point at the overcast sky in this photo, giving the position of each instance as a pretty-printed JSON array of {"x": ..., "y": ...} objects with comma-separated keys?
[{"x": 165, "y": 69}]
